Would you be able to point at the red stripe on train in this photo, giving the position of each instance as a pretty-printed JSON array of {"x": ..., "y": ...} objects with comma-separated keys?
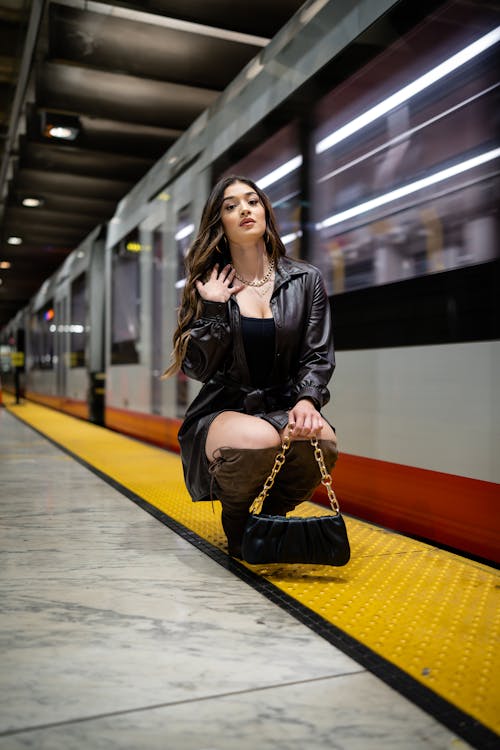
[{"x": 446, "y": 508}]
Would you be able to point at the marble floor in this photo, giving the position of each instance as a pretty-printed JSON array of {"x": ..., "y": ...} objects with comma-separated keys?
[{"x": 117, "y": 633}]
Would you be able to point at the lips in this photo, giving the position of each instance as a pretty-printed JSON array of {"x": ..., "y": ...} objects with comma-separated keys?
[{"x": 245, "y": 222}]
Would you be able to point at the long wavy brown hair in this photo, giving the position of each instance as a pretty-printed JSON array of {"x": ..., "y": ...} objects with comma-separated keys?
[{"x": 210, "y": 247}]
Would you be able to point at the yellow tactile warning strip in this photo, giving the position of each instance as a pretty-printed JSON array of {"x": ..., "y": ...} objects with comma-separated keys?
[{"x": 432, "y": 614}]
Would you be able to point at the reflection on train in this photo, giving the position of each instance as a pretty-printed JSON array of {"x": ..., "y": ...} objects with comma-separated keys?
[{"x": 388, "y": 181}]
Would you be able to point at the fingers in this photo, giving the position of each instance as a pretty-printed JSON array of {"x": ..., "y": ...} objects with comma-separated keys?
[
  {"x": 230, "y": 276},
  {"x": 236, "y": 287},
  {"x": 226, "y": 277},
  {"x": 304, "y": 431},
  {"x": 219, "y": 285},
  {"x": 226, "y": 274},
  {"x": 307, "y": 424}
]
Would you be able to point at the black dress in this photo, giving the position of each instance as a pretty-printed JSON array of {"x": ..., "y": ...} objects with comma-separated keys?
[{"x": 258, "y": 340}]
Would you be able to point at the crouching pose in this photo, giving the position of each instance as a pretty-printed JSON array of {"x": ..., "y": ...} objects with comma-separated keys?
[{"x": 254, "y": 326}]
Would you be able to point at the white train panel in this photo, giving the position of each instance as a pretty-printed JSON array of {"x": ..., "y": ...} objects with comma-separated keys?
[{"x": 435, "y": 408}]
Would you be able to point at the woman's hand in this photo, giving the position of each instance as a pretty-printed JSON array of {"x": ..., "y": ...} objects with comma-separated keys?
[
  {"x": 304, "y": 420},
  {"x": 218, "y": 287}
]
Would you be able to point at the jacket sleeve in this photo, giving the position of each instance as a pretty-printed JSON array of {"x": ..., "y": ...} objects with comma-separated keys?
[
  {"x": 317, "y": 359},
  {"x": 209, "y": 341}
]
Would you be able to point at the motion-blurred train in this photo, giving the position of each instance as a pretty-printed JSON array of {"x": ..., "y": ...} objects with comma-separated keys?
[{"x": 377, "y": 142}]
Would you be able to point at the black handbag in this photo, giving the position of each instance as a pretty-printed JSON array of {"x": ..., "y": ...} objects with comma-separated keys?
[{"x": 320, "y": 540}]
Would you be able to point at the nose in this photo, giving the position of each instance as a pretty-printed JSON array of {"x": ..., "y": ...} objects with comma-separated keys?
[{"x": 245, "y": 209}]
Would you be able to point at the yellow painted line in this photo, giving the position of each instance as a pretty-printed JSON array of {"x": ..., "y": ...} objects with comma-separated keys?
[{"x": 431, "y": 613}]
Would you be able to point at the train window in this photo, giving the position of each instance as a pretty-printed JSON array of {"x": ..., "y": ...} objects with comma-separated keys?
[
  {"x": 183, "y": 237},
  {"x": 275, "y": 167},
  {"x": 77, "y": 322},
  {"x": 125, "y": 301},
  {"x": 406, "y": 158},
  {"x": 42, "y": 337}
]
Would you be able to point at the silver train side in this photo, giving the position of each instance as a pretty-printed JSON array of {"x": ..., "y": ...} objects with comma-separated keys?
[{"x": 383, "y": 168}]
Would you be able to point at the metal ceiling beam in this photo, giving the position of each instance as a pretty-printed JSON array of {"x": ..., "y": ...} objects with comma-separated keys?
[
  {"x": 75, "y": 88},
  {"x": 154, "y": 19},
  {"x": 32, "y": 33}
]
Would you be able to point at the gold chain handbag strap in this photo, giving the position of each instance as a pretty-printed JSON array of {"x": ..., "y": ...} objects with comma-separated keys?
[{"x": 326, "y": 479}]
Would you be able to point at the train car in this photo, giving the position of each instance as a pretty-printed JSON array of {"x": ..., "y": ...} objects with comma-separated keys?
[
  {"x": 376, "y": 138},
  {"x": 63, "y": 333}
]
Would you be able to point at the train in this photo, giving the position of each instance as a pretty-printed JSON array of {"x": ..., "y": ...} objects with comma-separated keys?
[{"x": 376, "y": 139}]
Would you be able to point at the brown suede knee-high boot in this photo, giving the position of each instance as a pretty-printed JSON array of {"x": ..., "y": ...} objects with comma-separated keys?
[
  {"x": 299, "y": 476},
  {"x": 239, "y": 475}
]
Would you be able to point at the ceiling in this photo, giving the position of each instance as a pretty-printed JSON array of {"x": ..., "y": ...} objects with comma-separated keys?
[{"x": 132, "y": 77}]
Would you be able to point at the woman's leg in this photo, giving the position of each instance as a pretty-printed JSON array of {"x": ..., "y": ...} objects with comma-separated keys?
[
  {"x": 235, "y": 430},
  {"x": 241, "y": 450}
]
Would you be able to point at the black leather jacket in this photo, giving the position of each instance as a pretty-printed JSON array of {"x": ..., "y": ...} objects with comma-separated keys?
[{"x": 304, "y": 363}]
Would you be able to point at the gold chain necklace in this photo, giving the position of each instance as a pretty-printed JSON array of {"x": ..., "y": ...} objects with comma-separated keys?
[{"x": 259, "y": 282}]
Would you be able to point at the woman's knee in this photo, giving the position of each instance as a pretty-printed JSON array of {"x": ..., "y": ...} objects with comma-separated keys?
[{"x": 235, "y": 430}]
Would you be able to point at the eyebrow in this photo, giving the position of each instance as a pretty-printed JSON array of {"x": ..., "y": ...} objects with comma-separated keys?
[{"x": 233, "y": 197}]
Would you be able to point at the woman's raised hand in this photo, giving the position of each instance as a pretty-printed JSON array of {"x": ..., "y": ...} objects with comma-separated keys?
[{"x": 218, "y": 287}]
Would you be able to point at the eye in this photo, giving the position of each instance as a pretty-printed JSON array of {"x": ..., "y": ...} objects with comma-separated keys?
[
  {"x": 253, "y": 201},
  {"x": 229, "y": 206}
]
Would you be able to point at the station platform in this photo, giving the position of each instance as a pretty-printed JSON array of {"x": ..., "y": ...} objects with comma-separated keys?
[{"x": 122, "y": 632}]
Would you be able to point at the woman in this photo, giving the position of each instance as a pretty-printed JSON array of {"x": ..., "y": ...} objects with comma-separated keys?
[{"x": 254, "y": 327}]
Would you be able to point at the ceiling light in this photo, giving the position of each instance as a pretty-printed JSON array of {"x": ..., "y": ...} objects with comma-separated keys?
[
  {"x": 14, "y": 240},
  {"x": 32, "y": 202},
  {"x": 60, "y": 131},
  {"x": 4, "y": 264},
  {"x": 409, "y": 91},
  {"x": 63, "y": 127}
]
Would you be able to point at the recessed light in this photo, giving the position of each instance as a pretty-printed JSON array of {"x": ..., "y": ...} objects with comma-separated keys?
[
  {"x": 57, "y": 125},
  {"x": 60, "y": 131},
  {"x": 14, "y": 240},
  {"x": 32, "y": 202},
  {"x": 4, "y": 264}
]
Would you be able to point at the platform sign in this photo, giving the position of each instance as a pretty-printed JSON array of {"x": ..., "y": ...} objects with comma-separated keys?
[{"x": 17, "y": 359}]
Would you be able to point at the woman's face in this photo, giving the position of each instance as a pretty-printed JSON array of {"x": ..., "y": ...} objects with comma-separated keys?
[{"x": 243, "y": 216}]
